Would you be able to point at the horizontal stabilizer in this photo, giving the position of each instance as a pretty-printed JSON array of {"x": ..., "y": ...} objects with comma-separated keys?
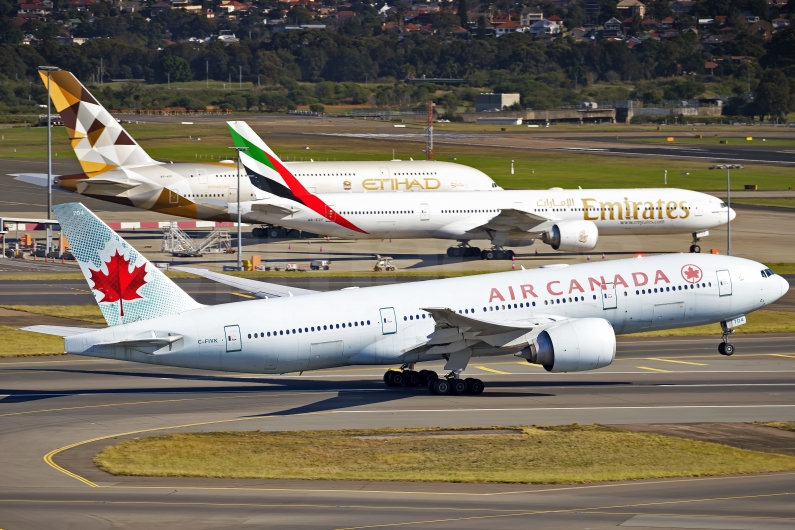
[
  {"x": 150, "y": 338},
  {"x": 37, "y": 179},
  {"x": 105, "y": 186},
  {"x": 60, "y": 331},
  {"x": 259, "y": 289}
]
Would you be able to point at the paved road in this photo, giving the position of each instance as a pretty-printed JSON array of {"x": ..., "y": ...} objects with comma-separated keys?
[{"x": 50, "y": 403}]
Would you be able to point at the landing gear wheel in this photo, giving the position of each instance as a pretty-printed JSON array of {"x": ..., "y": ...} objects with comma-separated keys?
[
  {"x": 511, "y": 254},
  {"x": 450, "y": 252},
  {"x": 474, "y": 386},
  {"x": 486, "y": 254},
  {"x": 389, "y": 378},
  {"x": 695, "y": 249},
  {"x": 474, "y": 252},
  {"x": 725, "y": 348},
  {"x": 457, "y": 252},
  {"x": 426, "y": 376},
  {"x": 440, "y": 387},
  {"x": 499, "y": 255},
  {"x": 398, "y": 379},
  {"x": 411, "y": 378},
  {"x": 458, "y": 387}
]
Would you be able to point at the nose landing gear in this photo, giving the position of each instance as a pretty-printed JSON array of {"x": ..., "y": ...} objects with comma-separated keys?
[
  {"x": 726, "y": 348},
  {"x": 695, "y": 248}
]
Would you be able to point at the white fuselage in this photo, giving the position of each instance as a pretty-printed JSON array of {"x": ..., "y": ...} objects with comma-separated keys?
[
  {"x": 475, "y": 215},
  {"x": 377, "y": 325}
]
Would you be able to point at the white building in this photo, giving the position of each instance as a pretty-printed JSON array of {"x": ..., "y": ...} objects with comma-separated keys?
[{"x": 545, "y": 27}]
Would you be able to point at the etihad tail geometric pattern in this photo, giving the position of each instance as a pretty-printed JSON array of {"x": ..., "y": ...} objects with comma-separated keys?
[{"x": 99, "y": 141}]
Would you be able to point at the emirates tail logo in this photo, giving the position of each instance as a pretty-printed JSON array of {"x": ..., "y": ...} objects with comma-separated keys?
[{"x": 120, "y": 284}]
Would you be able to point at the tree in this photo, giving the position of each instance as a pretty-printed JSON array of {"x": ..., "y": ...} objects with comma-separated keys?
[
  {"x": 462, "y": 13},
  {"x": 175, "y": 69},
  {"x": 773, "y": 96}
]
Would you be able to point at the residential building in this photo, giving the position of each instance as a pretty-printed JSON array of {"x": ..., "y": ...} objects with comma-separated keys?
[
  {"x": 545, "y": 27},
  {"x": 762, "y": 29},
  {"x": 508, "y": 27},
  {"x": 683, "y": 7},
  {"x": 612, "y": 28},
  {"x": 530, "y": 15},
  {"x": 632, "y": 8}
]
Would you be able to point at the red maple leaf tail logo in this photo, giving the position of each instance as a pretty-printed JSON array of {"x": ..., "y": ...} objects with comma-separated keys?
[{"x": 119, "y": 284}]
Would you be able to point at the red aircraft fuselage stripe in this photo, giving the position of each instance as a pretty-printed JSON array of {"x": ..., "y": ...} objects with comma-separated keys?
[{"x": 309, "y": 199}]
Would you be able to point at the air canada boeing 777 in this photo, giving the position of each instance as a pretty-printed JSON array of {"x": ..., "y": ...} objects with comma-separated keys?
[{"x": 562, "y": 318}]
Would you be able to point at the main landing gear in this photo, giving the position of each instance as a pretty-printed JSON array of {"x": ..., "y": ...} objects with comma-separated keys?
[
  {"x": 450, "y": 384},
  {"x": 726, "y": 348},
  {"x": 497, "y": 253},
  {"x": 463, "y": 251}
]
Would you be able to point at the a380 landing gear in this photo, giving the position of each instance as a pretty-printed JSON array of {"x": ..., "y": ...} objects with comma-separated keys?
[
  {"x": 497, "y": 253},
  {"x": 463, "y": 251}
]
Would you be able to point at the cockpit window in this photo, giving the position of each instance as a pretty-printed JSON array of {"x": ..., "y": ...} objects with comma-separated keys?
[
  {"x": 724, "y": 205},
  {"x": 766, "y": 273}
]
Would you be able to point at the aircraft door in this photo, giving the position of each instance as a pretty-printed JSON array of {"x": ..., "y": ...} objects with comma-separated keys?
[
  {"x": 233, "y": 338},
  {"x": 388, "y": 321},
  {"x": 724, "y": 283},
  {"x": 202, "y": 174},
  {"x": 697, "y": 209},
  {"x": 323, "y": 354},
  {"x": 609, "y": 300},
  {"x": 173, "y": 197},
  {"x": 425, "y": 212},
  {"x": 384, "y": 173},
  {"x": 668, "y": 314},
  {"x": 330, "y": 215},
  {"x": 232, "y": 197}
]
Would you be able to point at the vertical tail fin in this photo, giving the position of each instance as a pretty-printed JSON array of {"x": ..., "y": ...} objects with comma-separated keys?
[
  {"x": 268, "y": 173},
  {"x": 99, "y": 141},
  {"x": 126, "y": 285}
]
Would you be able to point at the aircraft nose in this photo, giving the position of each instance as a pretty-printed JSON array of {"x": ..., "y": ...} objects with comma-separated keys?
[
  {"x": 732, "y": 214},
  {"x": 784, "y": 285}
]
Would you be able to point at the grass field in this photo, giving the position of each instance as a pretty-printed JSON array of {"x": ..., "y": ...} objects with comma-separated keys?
[
  {"x": 86, "y": 313},
  {"x": 533, "y": 169},
  {"x": 18, "y": 343},
  {"x": 762, "y": 321},
  {"x": 580, "y": 456},
  {"x": 785, "y": 202},
  {"x": 715, "y": 139},
  {"x": 783, "y": 425}
]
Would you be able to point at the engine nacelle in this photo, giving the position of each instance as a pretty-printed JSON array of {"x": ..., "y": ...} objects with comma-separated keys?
[
  {"x": 574, "y": 346},
  {"x": 572, "y": 236}
]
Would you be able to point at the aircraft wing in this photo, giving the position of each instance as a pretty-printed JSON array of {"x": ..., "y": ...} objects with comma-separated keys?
[
  {"x": 455, "y": 332},
  {"x": 273, "y": 209},
  {"x": 517, "y": 220},
  {"x": 60, "y": 331},
  {"x": 257, "y": 288}
]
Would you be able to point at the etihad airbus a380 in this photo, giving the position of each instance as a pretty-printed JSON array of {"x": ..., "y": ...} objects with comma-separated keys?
[
  {"x": 563, "y": 318},
  {"x": 117, "y": 169},
  {"x": 567, "y": 220}
]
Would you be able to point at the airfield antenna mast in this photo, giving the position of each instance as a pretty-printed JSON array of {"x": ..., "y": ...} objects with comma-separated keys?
[
  {"x": 49, "y": 70},
  {"x": 239, "y": 214},
  {"x": 429, "y": 130}
]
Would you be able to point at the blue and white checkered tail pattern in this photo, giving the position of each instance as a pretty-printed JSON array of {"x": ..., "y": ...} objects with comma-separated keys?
[{"x": 128, "y": 288}]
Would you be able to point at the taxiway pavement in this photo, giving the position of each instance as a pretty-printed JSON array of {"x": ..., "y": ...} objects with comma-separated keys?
[{"x": 51, "y": 403}]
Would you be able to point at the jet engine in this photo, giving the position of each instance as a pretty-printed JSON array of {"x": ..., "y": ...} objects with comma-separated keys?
[
  {"x": 572, "y": 236},
  {"x": 574, "y": 346}
]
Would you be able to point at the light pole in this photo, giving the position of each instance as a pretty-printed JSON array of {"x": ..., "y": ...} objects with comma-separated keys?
[
  {"x": 728, "y": 212},
  {"x": 239, "y": 214},
  {"x": 49, "y": 69}
]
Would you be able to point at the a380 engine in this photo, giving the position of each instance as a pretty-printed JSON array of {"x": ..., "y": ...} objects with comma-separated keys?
[
  {"x": 572, "y": 236},
  {"x": 574, "y": 346}
]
